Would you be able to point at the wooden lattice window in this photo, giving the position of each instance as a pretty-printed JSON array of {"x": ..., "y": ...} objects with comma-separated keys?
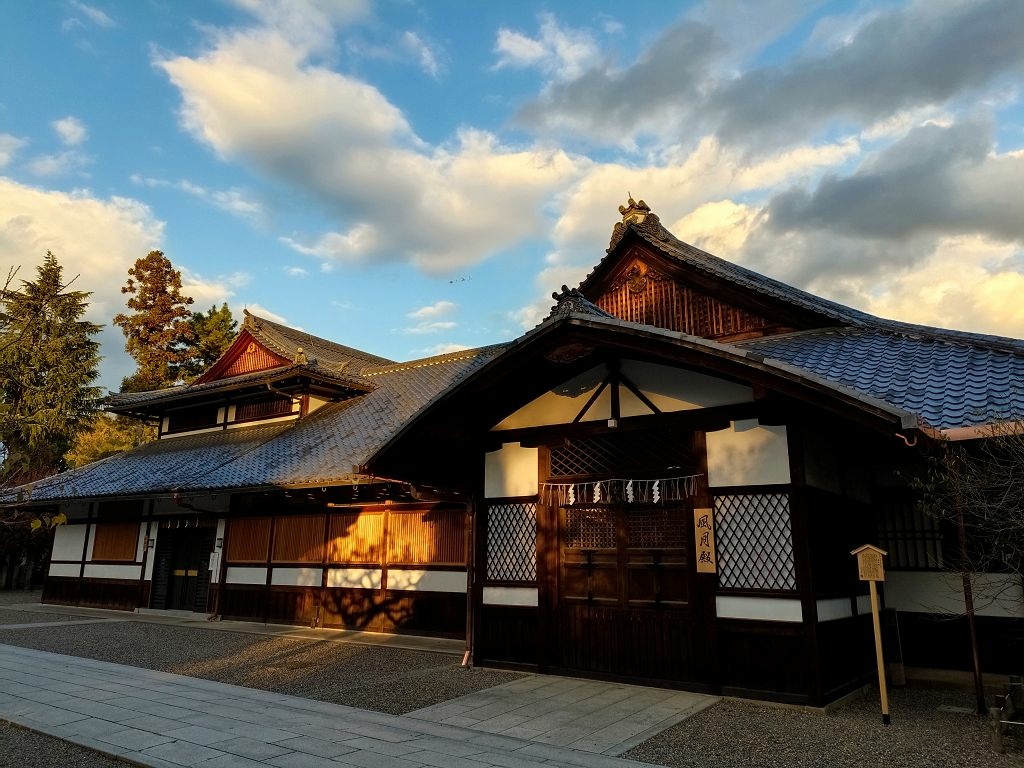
[
  {"x": 356, "y": 538},
  {"x": 421, "y": 538},
  {"x": 200, "y": 417},
  {"x": 116, "y": 541},
  {"x": 512, "y": 541},
  {"x": 662, "y": 527},
  {"x": 635, "y": 453},
  {"x": 754, "y": 540},
  {"x": 248, "y": 540},
  {"x": 590, "y": 528},
  {"x": 299, "y": 539},
  {"x": 263, "y": 408},
  {"x": 912, "y": 537}
]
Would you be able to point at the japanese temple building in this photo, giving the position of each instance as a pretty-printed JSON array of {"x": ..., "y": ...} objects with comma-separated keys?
[{"x": 660, "y": 483}]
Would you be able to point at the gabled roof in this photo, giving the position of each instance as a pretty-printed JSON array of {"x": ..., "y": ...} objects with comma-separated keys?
[
  {"x": 324, "y": 448},
  {"x": 950, "y": 379}
]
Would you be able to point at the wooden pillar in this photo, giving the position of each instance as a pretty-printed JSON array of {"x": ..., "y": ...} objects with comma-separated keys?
[
  {"x": 703, "y": 606},
  {"x": 547, "y": 572}
]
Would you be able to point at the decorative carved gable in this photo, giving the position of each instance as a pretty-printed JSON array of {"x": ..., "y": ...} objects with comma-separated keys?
[
  {"x": 246, "y": 355},
  {"x": 640, "y": 293}
]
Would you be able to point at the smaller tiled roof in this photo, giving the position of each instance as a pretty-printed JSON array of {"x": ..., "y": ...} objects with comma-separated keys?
[
  {"x": 285, "y": 341},
  {"x": 324, "y": 448},
  {"x": 950, "y": 379}
]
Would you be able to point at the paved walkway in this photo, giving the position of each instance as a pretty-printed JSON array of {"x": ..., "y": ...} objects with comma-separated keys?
[
  {"x": 605, "y": 718},
  {"x": 164, "y": 720}
]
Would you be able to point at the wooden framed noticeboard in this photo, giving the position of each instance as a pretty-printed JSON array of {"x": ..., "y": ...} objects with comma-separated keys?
[{"x": 869, "y": 563}]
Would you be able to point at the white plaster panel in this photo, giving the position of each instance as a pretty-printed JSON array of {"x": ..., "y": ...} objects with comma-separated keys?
[
  {"x": 518, "y": 596},
  {"x": 64, "y": 569},
  {"x": 296, "y": 577},
  {"x": 91, "y": 542},
  {"x": 759, "y": 608},
  {"x": 354, "y": 578},
  {"x": 426, "y": 581},
  {"x": 863, "y": 604},
  {"x": 559, "y": 406},
  {"x": 995, "y": 594},
  {"x": 316, "y": 403},
  {"x": 261, "y": 422},
  {"x": 834, "y": 608},
  {"x": 676, "y": 389},
  {"x": 244, "y": 575},
  {"x": 140, "y": 546},
  {"x": 746, "y": 454},
  {"x": 133, "y": 572},
  {"x": 154, "y": 529},
  {"x": 68, "y": 542},
  {"x": 511, "y": 471}
]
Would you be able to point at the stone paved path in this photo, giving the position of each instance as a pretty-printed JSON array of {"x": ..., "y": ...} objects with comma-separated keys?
[
  {"x": 162, "y": 720},
  {"x": 587, "y": 715}
]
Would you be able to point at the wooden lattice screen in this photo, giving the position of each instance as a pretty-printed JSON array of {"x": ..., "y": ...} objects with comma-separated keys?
[
  {"x": 299, "y": 539},
  {"x": 248, "y": 540},
  {"x": 115, "y": 541},
  {"x": 356, "y": 538}
]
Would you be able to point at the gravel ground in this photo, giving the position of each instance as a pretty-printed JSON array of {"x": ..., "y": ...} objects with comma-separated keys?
[
  {"x": 389, "y": 680},
  {"x": 736, "y": 733},
  {"x": 14, "y": 616},
  {"x": 16, "y": 596},
  {"x": 28, "y": 749}
]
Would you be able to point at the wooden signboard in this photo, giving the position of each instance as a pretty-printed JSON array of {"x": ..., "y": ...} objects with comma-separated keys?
[
  {"x": 704, "y": 540},
  {"x": 869, "y": 563}
]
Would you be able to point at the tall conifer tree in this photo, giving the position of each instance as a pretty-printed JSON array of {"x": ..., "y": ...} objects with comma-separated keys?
[
  {"x": 48, "y": 361},
  {"x": 159, "y": 332},
  {"x": 214, "y": 331}
]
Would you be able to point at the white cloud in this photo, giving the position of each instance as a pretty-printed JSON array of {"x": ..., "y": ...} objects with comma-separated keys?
[
  {"x": 440, "y": 349},
  {"x": 429, "y": 318},
  {"x": 234, "y": 200},
  {"x": 259, "y": 309},
  {"x": 9, "y": 147},
  {"x": 254, "y": 98},
  {"x": 97, "y": 239},
  {"x": 296, "y": 271},
  {"x": 70, "y": 130},
  {"x": 425, "y": 54},
  {"x": 559, "y": 52},
  {"x": 91, "y": 14},
  {"x": 437, "y": 309},
  {"x": 58, "y": 164}
]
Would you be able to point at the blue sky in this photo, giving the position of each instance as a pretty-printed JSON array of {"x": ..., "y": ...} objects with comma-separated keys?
[{"x": 415, "y": 177}]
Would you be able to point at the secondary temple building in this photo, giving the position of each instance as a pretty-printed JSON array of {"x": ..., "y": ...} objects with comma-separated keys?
[{"x": 662, "y": 483}]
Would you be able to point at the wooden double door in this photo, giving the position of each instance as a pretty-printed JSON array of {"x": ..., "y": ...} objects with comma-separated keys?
[
  {"x": 624, "y": 592},
  {"x": 181, "y": 568}
]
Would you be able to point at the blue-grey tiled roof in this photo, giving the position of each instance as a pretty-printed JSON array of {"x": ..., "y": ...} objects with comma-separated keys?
[
  {"x": 323, "y": 448},
  {"x": 949, "y": 379}
]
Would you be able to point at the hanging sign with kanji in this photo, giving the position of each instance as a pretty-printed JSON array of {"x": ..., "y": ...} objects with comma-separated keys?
[
  {"x": 704, "y": 540},
  {"x": 869, "y": 563}
]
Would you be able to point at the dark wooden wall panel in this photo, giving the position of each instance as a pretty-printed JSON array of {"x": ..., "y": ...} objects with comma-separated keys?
[
  {"x": 763, "y": 659},
  {"x": 61, "y": 590},
  {"x": 508, "y": 634},
  {"x": 116, "y": 541},
  {"x": 248, "y": 540},
  {"x": 114, "y": 594},
  {"x": 299, "y": 539}
]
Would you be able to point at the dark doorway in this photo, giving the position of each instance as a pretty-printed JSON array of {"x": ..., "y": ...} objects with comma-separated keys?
[{"x": 181, "y": 568}]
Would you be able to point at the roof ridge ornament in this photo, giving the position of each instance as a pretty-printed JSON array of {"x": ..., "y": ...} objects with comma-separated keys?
[
  {"x": 636, "y": 213},
  {"x": 571, "y": 301}
]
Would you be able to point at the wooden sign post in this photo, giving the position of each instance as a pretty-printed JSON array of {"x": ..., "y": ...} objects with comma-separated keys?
[{"x": 871, "y": 570}]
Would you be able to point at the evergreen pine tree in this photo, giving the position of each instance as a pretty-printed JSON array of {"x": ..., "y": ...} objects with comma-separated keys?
[
  {"x": 159, "y": 332},
  {"x": 48, "y": 361},
  {"x": 214, "y": 330}
]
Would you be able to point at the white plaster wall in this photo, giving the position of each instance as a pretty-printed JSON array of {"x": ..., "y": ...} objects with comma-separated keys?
[
  {"x": 511, "y": 471},
  {"x": 296, "y": 577},
  {"x": 140, "y": 546},
  {"x": 426, "y": 581},
  {"x": 243, "y": 575},
  {"x": 863, "y": 604},
  {"x": 675, "y": 389},
  {"x": 747, "y": 454},
  {"x": 759, "y": 608},
  {"x": 834, "y": 608},
  {"x": 316, "y": 403},
  {"x": 91, "y": 542},
  {"x": 64, "y": 569},
  {"x": 112, "y": 571},
  {"x": 154, "y": 531},
  {"x": 995, "y": 594},
  {"x": 218, "y": 547},
  {"x": 243, "y": 424},
  {"x": 354, "y": 578},
  {"x": 68, "y": 541},
  {"x": 670, "y": 389},
  {"x": 518, "y": 596}
]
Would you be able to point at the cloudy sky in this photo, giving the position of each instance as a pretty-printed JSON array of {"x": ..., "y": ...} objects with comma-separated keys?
[{"x": 414, "y": 177}]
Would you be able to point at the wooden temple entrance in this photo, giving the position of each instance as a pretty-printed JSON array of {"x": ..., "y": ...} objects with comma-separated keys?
[
  {"x": 620, "y": 598},
  {"x": 181, "y": 575}
]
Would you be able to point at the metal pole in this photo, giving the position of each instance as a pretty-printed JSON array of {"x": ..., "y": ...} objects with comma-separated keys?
[{"x": 879, "y": 658}]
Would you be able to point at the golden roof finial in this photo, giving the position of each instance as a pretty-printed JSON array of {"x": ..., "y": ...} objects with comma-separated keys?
[{"x": 634, "y": 211}]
